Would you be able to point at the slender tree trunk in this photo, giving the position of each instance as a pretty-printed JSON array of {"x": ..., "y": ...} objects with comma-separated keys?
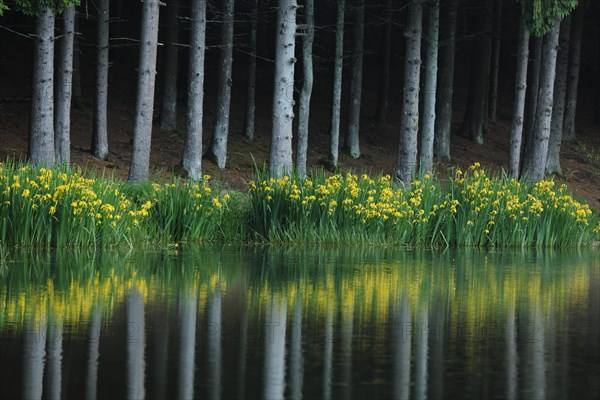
[
  {"x": 533, "y": 170},
  {"x": 76, "y": 98},
  {"x": 142, "y": 134},
  {"x": 274, "y": 353},
  {"x": 41, "y": 130},
  {"x": 62, "y": 122},
  {"x": 495, "y": 67},
  {"x": 533, "y": 86},
  {"x": 443, "y": 105},
  {"x": 304, "y": 107},
  {"x": 188, "y": 311},
  {"x": 409, "y": 123},
  {"x": 34, "y": 358},
  {"x": 168, "y": 114},
  {"x": 336, "y": 109},
  {"x": 100, "y": 135},
  {"x": 352, "y": 143},
  {"x": 384, "y": 74},
  {"x": 573, "y": 74},
  {"x": 431, "y": 65},
  {"x": 192, "y": 150},
  {"x": 280, "y": 158},
  {"x": 218, "y": 145},
  {"x": 136, "y": 343},
  {"x": 54, "y": 358},
  {"x": 560, "y": 90},
  {"x": 516, "y": 133},
  {"x": 251, "y": 88}
]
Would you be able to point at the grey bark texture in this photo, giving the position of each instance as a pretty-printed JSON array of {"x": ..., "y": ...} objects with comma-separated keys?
[
  {"x": 336, "y": 108},
  {"x": 384, "y": 74},
  {"x": 431, "y": 69},
  {"x": 443, "y": 105},
  {"x": 533, "y": 86},
  {"x": 64, "y": 77},
  {"x": 569, "y": 134},
  {"x": 409, "y": 124},
  {"x": 516, "y": 132},
  {"x": 100, "y": 134},
  {"x": 307, "y": 86},
  {"x": 192, "y": 150},
  {"x": 280, "y": 157},
  {"x": 495, "y": 64},
  {"x": 220, "y": 134},
  {"x": 168, "y": 114},
  {"x": 76, "y": 92},
  {"x": 251, "y": 87},
  {"x": 533, "y": 169},
  {"x": 41, "y": 129},
  {"x": 352, "y": 143},
  {"x": 142, "y": 133},
  {"x": 560, "y": 91}
]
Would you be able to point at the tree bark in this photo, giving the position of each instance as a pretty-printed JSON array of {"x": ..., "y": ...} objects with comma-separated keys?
[
  {"x": 516, "y": 133},
  {"x": 305, "y": 93},
  {"x": 384, "y": 74},
  {"x": 533, "y": 86},
  {"x": 100, "y": 134},
  {"x": 142, "y": 134},
  {"x": 280, "y": 157},
  {"x": 251, "y": 88},
  {"x": 352, "y": 143},
  {"x": 409, "y": 123},
  {"x": 533, "y": 170},
  {"x": 192, "y": 150},
  {"x": 431, "y": 65},
  {"x": 62, "y": 121},
  {"x": 218, "y": 145},
  {"x": 336, "y": 108},
  {"x": 441, "y": 142},
  {"x": 560, "y": 90},
  {"x": 41, "y": 130},
  {"x": 495, "y": 67},
  {"x": 569, "y": 134},
  {"x": 168, "y": 115}
]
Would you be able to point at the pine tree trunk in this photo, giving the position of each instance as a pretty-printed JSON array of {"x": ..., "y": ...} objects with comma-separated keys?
[
  {"x": 531, "y": 101},
  {"x": 336, "y": 108},
  {"x": 76, "y": 82},
  {"x": 560, "y": 90},
  {"x": 516, "y": 133},
  {"x": 251, "y": 88},
  {"x": 100, "y": 134},
  {"x": 41, "y": 130},
  {"x": 443, "y": 105},
  {"x": 384, "y": 75},
  {"x": 168, "y": 114},
  {"x": 409, "y": 123},
  {"x": 218, "y": 145},
  {"x": 352, "y": 143},
  {"x": 142, "y": 134},
  {"x": 62, "y": 121},
  {"x": 305, "y": 94},
  {"x": 573, "y": 74},
  {"x": 280, "y": 157},
  {"x": 533, "y": 170},
  {"x": 431, "y": 65},
  {"x": 495, "y": 67},
  {"x": 192, "y": 151}
]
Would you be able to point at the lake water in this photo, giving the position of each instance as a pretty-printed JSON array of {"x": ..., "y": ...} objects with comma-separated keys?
[{"x": 250, "y": 322}]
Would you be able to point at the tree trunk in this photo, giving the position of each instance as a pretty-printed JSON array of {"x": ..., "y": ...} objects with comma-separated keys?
[
  {"x": 218, "y": 145},
  {"x": 305, "y": 94},
  {"x": 41, "y": 130},
  {"x": 251, "y": 88},
  {"x": 533, "y": 86},
  {"x": 76, "y": 91},
  {"x": 409, "y": 123},
  {"x": 100, "y": 135},
  {"x": 142, "y": 134},
  {"x": 516, "y": 133},
  {"x": 573, "y": 74},
  {"x": 62, "y": 122},
  {"x": 136, "y": 343},
  {"x": 352, "y": 144},
  {"x": 280, "y": 157},
  {"x": 443, "y": 105},
  {"x": 192, "y": 151},
  {"x": 431, "y": 65},
  {"x": 336, "y": 108},
  {"x": 560, "y": 90},
  {"x": 384, "y": 74},
  {"x": 474, "y": 123},
  {"x": 533, "y": 170},
  {"x": 495, "y": 67},
  {"x": 168, "y": 114}
]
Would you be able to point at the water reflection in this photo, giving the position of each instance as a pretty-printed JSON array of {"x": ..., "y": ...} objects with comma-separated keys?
[{"x": 274, "y": 323}]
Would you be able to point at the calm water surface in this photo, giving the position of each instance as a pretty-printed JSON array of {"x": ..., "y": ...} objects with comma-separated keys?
[{"x": 230, "y": 322}]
